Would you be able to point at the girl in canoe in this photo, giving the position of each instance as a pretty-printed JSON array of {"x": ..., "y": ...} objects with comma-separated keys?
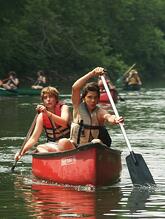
[
  {"x": 133, "y": 81},
  {"x": 88, "y": 118},
  {"x": 113, "y": 90},
  {"x": 54, "y": 117},
  {"x": 11, "y": 83},
  {"x": 109, "y": 83},
  {"x": 41, "y": 80}
]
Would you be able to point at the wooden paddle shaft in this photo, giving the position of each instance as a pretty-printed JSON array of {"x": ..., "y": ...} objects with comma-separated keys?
[
  {"x": 116, "y": 112},
  {"x": 26, "y": 139},
  {"x": 125, "y": 73},
  {"x": 29, "y": 132}
]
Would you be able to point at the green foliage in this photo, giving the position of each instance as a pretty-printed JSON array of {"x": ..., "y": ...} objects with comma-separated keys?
[{"x": 70, "y": 37}]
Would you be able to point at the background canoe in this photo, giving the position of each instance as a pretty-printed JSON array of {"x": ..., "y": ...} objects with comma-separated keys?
[
  {"x": 133, "y": 87},
  {"x": 19, "y": 91}
]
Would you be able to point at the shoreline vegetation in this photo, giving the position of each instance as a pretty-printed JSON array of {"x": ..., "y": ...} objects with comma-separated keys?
[{"x": 65, "y": 38}]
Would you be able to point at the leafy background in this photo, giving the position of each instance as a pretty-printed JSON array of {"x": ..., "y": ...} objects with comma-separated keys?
[{"x": 66, "y": 38}]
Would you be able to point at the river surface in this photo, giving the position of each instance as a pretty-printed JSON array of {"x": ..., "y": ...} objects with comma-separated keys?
[{"x": 23, "y": 197}]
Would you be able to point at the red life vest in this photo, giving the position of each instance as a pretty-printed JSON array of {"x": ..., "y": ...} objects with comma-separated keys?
[{"x": 54, "y": 131}]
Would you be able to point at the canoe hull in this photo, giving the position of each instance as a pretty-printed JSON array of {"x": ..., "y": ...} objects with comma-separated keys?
[
  {"x": 133, "y": 87},
  {"x": 25, "y": 92},
  {"x": 19, "y": 92},
  {"x": 92, "y": 164}
]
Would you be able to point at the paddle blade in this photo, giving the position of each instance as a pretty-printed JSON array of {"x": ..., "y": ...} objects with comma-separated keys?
[
  {"x": 14, "y": 165},
  {"x": 139, "y": 172}
]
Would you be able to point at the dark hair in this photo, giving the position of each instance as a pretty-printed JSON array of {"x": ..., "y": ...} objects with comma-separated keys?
[
  {"x": 92, "y": 86},
  {"x": 12, "y": 73},
  {"x": 40, "y": 72}
]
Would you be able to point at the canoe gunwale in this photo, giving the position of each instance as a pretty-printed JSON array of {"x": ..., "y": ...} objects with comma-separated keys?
[{"x": 74, "y": 151}]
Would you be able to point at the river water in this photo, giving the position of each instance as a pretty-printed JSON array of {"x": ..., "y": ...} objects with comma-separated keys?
[{"x": 22, "y": 196}]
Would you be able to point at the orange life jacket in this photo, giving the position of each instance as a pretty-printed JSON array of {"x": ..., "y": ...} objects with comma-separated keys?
[{"x": 54, "y": 131}]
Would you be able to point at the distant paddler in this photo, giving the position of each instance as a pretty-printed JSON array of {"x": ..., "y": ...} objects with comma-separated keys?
[
  {"x": 113, "y": 90},
  {"x": 132, "y": 81},
  {"x": 41, "y": 81},
  {"x": 122, "y": 78},
  {"x": 10, "y": 83}
]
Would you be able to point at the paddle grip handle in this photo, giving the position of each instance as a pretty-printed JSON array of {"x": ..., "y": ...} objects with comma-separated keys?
[{"x": 116, "y": 112}]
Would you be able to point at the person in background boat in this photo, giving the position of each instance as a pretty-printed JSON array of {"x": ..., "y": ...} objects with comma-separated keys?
[
  {"x": 109, "y": 83},
  {"x": 54, "y": 118},
  {"x": 112, "y": 88},
  {"x": 41, "y": 80},
  {"x": 11, "y": 83},
  {"x": 88, "y": 118},
  {"x": 133, "y": 78}
]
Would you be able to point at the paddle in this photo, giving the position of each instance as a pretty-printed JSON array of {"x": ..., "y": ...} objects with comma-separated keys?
[
  {"x": 137, "y": 167},
  {"x": 125, "y": 73},
  {"x": 26, "y": 139}
]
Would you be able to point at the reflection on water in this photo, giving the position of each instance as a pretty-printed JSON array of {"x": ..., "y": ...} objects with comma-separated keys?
[
  {"x": 144, "y": 115},
  {"x": 137, "y": 199},
  {"x": 49, "y": 200}
]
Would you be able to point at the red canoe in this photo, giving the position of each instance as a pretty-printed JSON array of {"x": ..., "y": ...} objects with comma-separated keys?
[
  {"x": 91, "y": 164},
  {"x": 104, "y": 97}
]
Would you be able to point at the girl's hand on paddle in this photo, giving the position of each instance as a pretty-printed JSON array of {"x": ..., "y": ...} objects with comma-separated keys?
[
  {"x": 118, "y": 120},
  {"x": 98, "y": 71},
  {"x": 17, "y": 156},
  {"x": 40, "y": 108},
  {"x": 113, "y": 119}
]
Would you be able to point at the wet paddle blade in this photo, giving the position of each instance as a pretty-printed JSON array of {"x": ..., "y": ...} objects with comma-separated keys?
[
  {"x": 14, "y": 165},
  {"x": 139, "y": 172}
]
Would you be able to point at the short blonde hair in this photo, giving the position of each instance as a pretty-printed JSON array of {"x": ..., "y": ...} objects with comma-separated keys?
[{"x": 52, "y": 91}]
